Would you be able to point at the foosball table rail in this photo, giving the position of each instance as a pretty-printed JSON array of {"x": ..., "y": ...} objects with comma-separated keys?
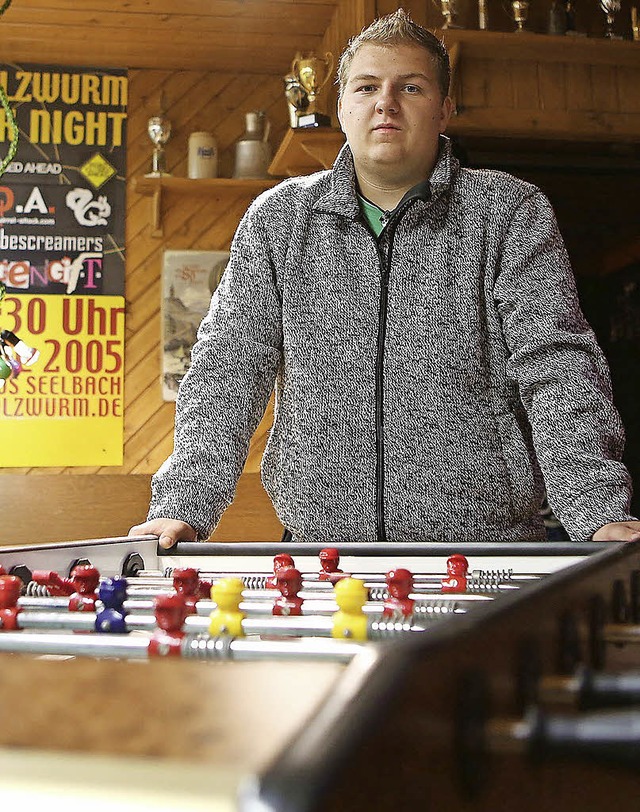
[{"x": 475, "y": 717}]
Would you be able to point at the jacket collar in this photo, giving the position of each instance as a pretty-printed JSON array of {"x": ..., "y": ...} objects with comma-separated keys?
[{"x": 342, "y": 197}]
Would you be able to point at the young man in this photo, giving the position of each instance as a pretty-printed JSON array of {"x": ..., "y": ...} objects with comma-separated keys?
[{"x": 433, "y": 370}]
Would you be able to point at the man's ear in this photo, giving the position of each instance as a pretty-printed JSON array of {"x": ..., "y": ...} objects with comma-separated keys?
[
  {"x": 445, "y": 113},
  {"x": 339, "y": 113}
]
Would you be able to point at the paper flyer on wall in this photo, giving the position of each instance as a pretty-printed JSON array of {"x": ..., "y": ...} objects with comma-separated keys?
[{"x": 62, "y": 265}]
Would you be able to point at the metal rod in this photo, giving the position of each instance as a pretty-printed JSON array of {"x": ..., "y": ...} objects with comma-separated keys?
[
  {"x": 435, "y": 606},
  {"x": 315, "y": 650},
  {"x": 193, "y": 646},
  {"x": 378, "y": 626},
  {"x": 76, "y": 645},
  {"x": 312, "y": 579},
  {"x": 504, "y": 549}
]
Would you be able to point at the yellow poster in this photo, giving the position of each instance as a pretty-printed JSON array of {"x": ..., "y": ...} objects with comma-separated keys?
[
  {"x": 62, "y": 266},
  {"x": 65, "y": 405}
]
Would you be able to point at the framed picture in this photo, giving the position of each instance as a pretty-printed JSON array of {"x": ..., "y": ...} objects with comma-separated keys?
[{"x": 189, "y": 278}]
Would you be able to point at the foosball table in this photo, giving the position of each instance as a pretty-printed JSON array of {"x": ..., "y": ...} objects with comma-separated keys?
[{"x": 492, "y": 676}]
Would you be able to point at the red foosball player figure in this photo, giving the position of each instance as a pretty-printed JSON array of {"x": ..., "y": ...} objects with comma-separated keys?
[
  {"x": 329, "y": 560},
  {"x": 85, "y": 580},
  {"x": 457, "y": 569},
  {"x": 280, "y": 561},
  {"x": 289, "y": 583},
  {"x": 187, "y": 583},
  {"x": 400, "y": 586},
  {"x": 56, "y": 586},
  {"x": 10, "y": 586},
  {"x": 170, "y": 612}
]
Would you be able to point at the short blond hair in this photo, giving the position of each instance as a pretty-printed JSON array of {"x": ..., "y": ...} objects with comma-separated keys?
[{"x": 397, "y": 29}]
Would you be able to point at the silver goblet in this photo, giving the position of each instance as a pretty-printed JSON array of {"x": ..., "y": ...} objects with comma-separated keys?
[
  {"x": 159, "y": 130},
  {"x": 610, "y": 8}
]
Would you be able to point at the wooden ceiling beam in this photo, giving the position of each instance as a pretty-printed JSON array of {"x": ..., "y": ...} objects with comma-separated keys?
[
  {"x": 186, "y": 8},
  {"x": 299, "y": 20}
]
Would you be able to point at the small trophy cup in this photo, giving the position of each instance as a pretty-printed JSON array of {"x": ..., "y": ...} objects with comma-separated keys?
[
  {"x": 159, "y": 130},
  {"x": 570, "y": 6},
  {"x": 483, "y": 15},
  {"x": 297, "y": 98},
  {"x": 520, "y": 14},
  {"x": 449, "y": 9},
  {"x": 313, "y": 72},
  {"x": 610, "y": 8}
]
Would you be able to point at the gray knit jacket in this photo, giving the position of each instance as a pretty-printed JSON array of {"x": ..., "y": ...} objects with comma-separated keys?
[{"x": 438, "y": 414}]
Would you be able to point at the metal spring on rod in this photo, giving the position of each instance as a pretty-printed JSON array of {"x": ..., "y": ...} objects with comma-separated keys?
[
  {"x": 434, "y": 609},
  {"x": 199, "y": 647},
  {"x": 482, "y": 585},
  {"x": 378, "y": 593},
  {"x": 493, "y": 575},
  {"x": 387, "y": 629},
  {"x": 35, "y": 590},
  {"x": 255, "y": 582}
]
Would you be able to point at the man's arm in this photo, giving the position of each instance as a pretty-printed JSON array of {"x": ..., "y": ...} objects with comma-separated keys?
[
  {"x": 225, "y": 392},
  {"x": 562, "y": 376}
]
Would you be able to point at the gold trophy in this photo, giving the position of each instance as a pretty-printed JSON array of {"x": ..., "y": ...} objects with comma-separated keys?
[
  {"x": 520, "y": 14},
  {"x": 312, "y": 72},
  {"x": 159, "y": 130}
]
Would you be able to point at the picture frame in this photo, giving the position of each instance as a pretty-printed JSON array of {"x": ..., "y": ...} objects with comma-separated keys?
[{"x": 189, "y": 279}]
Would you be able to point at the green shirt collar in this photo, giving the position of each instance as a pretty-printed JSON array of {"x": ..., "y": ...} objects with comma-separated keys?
[{"x": 374, "y": 215}]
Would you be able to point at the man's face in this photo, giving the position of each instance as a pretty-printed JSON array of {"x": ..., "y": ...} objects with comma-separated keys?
[{"x": 392, "y": 112}]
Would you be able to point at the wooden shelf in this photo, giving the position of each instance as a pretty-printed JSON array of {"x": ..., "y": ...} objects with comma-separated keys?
[
  {"x": 536, "y": 86},
  {"x": 150, "y": 186},
  {"x": 305, "y": 150},
  {"x": 301, "y": 152},
  {"x": 157, "y": 187}
]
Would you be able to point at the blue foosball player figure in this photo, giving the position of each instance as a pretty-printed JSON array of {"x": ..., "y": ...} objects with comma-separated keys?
[{"x": 112, "y": 619}]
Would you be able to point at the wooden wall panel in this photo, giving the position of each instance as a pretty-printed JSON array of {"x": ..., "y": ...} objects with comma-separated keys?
[
  {"x": 544, "y": 87},
  {"x": 243, "y": 36}
]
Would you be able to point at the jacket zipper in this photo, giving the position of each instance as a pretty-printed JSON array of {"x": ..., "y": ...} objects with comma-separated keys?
[
  {"x": 385, "y": 262},
  {"x": 381, "y": 531}
]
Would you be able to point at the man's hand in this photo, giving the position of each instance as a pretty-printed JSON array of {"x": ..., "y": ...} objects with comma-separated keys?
[
  {"x": 618, "y": 531},
  {"x": 169, "y": 531}
]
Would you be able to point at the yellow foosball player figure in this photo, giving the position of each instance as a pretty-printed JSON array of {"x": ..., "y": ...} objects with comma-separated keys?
[
  {"x": 350, "y": 623},
  {"x": 227, "y": 617}
]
